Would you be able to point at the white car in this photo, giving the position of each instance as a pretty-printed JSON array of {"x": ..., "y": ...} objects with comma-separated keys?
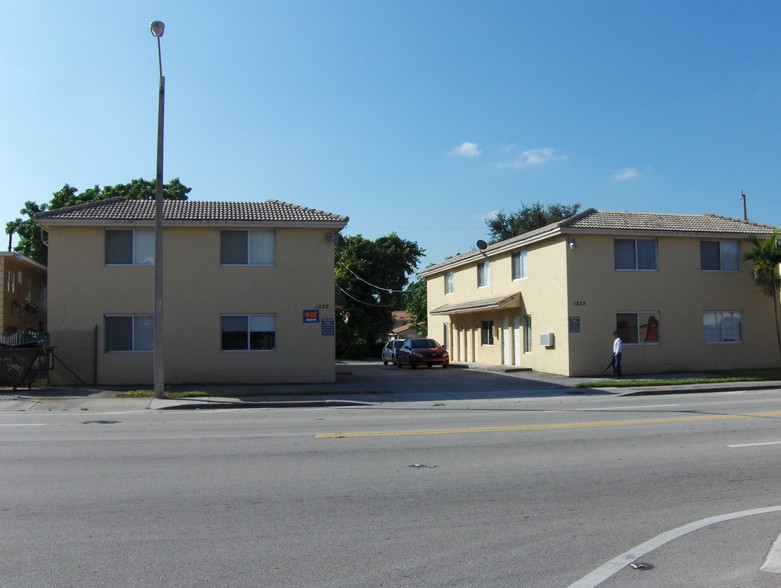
[{"x": 389, "y": 351}]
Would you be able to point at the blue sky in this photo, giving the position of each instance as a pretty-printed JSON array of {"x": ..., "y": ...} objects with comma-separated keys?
[{"x": 421, "y": 117}]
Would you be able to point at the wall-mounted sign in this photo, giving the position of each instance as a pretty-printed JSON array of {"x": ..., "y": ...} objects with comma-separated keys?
[
  {"x": 328, "y": 327},
  {"x": 574, "y": 324},
  {"x": 311, "y": 316}
]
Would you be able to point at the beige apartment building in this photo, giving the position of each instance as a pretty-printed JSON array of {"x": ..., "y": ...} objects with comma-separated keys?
[
  {"x": 248, "y": 292},
  {"x": 676, "y": 287},
  {"x": 24, "y": 294}
]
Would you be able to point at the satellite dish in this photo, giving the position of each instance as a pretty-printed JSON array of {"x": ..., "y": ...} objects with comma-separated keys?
[{"x": 481, "y": 245}]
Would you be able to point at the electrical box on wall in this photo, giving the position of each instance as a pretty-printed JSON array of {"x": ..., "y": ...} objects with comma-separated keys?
[{"x": 547, "y": 340}]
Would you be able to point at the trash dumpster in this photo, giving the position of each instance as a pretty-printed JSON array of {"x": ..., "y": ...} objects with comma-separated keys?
[{"x": 21, "y": 366}]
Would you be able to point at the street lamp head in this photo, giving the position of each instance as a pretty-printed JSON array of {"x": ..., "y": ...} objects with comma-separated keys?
[{"x": 157, "y": 27}]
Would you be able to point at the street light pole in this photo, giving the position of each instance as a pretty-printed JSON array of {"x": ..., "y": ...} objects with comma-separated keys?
[{"x": 158, "y": 28}]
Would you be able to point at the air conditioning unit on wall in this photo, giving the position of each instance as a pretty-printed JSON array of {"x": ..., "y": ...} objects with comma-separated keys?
[{"x": 547, "y": 340}]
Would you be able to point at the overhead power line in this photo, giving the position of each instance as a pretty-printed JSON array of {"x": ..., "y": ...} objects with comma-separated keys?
[
  {"x": 389, "y": 290},
  {"x": 343, "y": 291}
]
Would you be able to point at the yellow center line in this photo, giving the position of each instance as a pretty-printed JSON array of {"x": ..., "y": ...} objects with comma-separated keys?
[{"x": 692, "y": 419}]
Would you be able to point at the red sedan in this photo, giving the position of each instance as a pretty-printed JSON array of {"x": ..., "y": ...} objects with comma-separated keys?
[{"x": 420, "y": 351}]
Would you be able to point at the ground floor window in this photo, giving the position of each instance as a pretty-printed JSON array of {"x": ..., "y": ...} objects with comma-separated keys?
[
  {"x": 527, "y": 334},
  {"x": 487, "y": 333},
  {"x": 723, "y": 326},
  {"x": 248, "y": 332},
  {"x": 130, "y": 332},
  {"x": 638, "y": 327}
]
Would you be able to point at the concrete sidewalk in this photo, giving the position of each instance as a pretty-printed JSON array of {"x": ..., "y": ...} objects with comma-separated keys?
[{"x": 357, "y": 384}]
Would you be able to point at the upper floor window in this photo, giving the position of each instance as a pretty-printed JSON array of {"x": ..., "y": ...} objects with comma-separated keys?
[
  {"x": 723, "y": 326},
  {"x": 247, "y": 247},
  {"x": 450, "y": 282},
  {"x": 520, "y": 269},
  {"x": 130, "y": 332},
  {"x": 483, "y": 274},
  {"x": 636, "y": 254},
  {"x": 130, "y": 247},
  {"x": 248, "y": 332},
  {"x": 720, "y": 256}
]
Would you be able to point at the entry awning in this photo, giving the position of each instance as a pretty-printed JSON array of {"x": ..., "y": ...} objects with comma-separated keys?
[{"x": 500, "y": 302}]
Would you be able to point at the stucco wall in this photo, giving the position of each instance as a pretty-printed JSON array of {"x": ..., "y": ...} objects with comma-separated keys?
[
  {"x": 197, "y": 289},
  {"x": 680, "y": 292},
  {"x": 29, "y": 285},
  {"x": 543, "y": 296}
]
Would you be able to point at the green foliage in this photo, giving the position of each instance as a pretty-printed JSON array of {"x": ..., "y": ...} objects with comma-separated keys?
[
  {"x": 766, "y": 255},
  {"x": 417, "y": 305},
  {"x": 370, "y": 278},
  {"x": 527, "y": 218},
  {"x": 30, "y": 243}
]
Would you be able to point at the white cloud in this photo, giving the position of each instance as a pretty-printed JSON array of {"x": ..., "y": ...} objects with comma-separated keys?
[
  {"x": 466, "y": 150},
  {"x": 487, "y": 216},
  {"x": 534, "y": 157},
  {"x": 626, "y": 174}
]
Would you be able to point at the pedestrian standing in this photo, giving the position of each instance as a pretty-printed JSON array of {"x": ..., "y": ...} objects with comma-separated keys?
[{"x": 618, "y": 349}]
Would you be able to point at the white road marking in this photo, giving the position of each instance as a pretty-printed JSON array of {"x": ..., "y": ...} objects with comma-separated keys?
[
  {"x": 754, "y": 444},
  {"x": 773, "y": 560},
  {"x": 619, "y": 562},
  {"x": 23, "y": 425}
]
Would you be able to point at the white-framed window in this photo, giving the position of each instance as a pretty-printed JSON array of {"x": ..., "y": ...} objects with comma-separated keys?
[
  {"x": 450, "y": 282},
  {"x": 248, "y": 247},
  {"x": 720, "y": 256},
  {"x": 527, "y": 334},
  {"x": 636, "y": 254},
  {"x": 10, "y": 282},
  {"x": 520, "y": 267},
  {"x": 483, "y": 274},
  {"x": 248, "y": 332},
  {"x": 130, "y": 247},
  {"x": 487, "y": 333},
  {"x": 639, "y": 327},
  {"x": 130, "y": 332},
  {"x": 723, "y": 326}
]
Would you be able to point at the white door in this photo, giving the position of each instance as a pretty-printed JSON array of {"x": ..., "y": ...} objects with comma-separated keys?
[
  {"x": 507, "y": 350},
  {"x": 517, "y": 340}
]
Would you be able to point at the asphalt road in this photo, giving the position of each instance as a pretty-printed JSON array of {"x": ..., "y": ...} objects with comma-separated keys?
[{"x": 549, "y": 491}]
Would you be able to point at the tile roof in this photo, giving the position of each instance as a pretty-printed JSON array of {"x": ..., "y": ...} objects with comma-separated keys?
[
  {"x": 119, "y": 209},
  {"x": 646, "y": 221},
  {"x": 596, "y": 221}
]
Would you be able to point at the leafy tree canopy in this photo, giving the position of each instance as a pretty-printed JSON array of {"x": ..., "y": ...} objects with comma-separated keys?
[
  {"x": 417, "y": 305},
  {"x": 527, "y": 218},
  {"x": 30, "y": 242},
  {"x": 371, "y": 276}
]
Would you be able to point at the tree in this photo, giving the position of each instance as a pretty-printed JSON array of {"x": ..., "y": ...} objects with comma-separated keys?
[
  {"x": 766, "y": 256},
  {"x": 417, "y": 305},
  {"x": 30, "y": 242},
  {"x": 527, "y": 218},
  {"x": 371, "y": 276}
]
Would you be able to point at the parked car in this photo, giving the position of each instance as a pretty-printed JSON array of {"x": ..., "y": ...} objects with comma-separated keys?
[
  {"x": 389, "y": 351},
  {"x": 421, "y": 351}
]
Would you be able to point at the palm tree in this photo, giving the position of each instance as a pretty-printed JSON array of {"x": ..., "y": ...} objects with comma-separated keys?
[{"x": 766, "y": 256}]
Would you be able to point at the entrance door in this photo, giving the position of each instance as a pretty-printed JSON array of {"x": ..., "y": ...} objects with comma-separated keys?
[
  {"x": 507, "y": 350},
  {"x": 517, "y": 340}
]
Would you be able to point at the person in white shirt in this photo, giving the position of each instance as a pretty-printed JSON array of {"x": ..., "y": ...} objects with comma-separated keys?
[{"x": 618, "y": 349}]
